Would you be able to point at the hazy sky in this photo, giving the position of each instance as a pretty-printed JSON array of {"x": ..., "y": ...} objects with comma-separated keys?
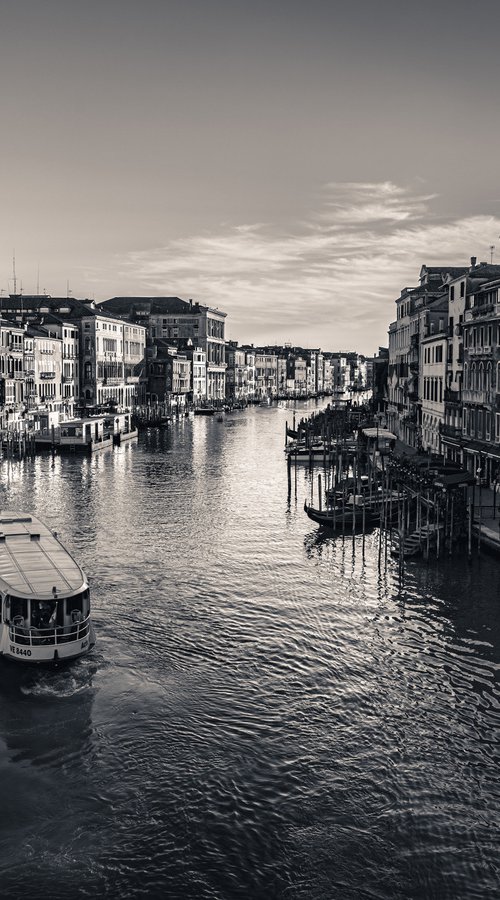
[{"x": 292, "y": 163}]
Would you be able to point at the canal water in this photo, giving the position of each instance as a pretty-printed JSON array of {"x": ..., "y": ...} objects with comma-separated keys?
[{"x": 267, "y": 712}]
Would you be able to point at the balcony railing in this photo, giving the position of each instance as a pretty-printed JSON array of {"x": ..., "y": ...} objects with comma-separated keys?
[
  {"x": 487, "y": 309},
  {"x": 479, "y": 351},
  {"x": 453, "y": 431},
  {"x": 452, "y": 396},
  {"x": 472, "y": 396}
]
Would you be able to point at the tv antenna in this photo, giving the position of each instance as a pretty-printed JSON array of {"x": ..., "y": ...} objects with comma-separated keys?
[
  {"x": 492, "y": 247},
  {"x": 14, "y": 271}
]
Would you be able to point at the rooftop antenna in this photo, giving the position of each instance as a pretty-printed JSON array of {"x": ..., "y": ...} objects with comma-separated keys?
[
  {"x": 68, "y": 292},
  {"x": 492, "y": 247},
  {"x": 14, "y": 271}
]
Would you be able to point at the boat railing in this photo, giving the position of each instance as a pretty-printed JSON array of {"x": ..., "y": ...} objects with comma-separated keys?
[{"x": 60, "y": 634}]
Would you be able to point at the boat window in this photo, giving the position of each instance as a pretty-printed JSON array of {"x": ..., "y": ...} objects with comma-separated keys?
[
  {"x": 79, "y": 604},
  {"x": 15, "y": 607}
]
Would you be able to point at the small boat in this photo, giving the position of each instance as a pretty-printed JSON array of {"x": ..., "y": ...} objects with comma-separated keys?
[
  {"x": 316, "y": 452},
  {"x": 204, "y": 411},
  {"x": 44, "y": 595},
  {"x": 340, "y": 516}
]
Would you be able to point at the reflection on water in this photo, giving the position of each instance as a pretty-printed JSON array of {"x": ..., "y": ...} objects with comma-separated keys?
[{"x": 268, "y": 712}]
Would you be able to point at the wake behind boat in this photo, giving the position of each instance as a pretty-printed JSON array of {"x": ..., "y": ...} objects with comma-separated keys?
[{"x": 44, "y": 595}]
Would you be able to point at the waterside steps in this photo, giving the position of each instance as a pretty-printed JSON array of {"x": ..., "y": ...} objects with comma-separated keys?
[{"x": 415, "y": 542}]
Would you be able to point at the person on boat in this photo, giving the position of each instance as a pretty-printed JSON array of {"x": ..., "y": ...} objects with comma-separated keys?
[{"x": 43, "y": 616}]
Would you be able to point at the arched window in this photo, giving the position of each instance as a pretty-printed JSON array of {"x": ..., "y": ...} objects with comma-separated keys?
[{"x": 480, "y": 379}]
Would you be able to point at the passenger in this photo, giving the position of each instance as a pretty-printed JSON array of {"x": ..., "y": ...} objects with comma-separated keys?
[{"x": 42, "y": 614}]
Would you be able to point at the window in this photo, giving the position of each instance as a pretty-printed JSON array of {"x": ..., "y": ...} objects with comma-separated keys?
[
  {"x": 462, "y": 288},
  {"x": 439, "y": 354}
]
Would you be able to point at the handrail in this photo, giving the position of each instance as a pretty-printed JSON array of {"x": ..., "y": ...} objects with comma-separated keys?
[{"x": 60, "y": 634}]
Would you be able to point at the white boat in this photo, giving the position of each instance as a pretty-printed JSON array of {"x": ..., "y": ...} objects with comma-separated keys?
[
  {"x": 44, "y": 595},
  {"x": 318, "y": 451}
]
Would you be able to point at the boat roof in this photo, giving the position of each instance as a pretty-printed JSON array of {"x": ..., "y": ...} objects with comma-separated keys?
[
  {"x": 381, "y": 433},
  {"x": 33, "y": 561}
]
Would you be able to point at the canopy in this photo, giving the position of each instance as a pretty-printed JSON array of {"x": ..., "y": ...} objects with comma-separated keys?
[{"x": 379, "y": 433}]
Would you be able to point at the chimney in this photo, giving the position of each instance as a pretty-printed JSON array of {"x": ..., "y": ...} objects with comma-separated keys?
[{"x": 473, "y": 261}]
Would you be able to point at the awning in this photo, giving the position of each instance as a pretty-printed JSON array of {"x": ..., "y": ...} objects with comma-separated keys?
[
  {"x": 455, "y": 479},
  {"x": 380, "y": 433}
]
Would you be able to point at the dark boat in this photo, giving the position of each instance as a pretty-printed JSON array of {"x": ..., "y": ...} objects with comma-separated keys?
[
  {"x": 204, "y": 411},
  {"x": 341, "y": 516}
]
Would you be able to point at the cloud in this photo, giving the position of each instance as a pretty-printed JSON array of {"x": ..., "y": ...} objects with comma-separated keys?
[{"x": 331, "y": 281}]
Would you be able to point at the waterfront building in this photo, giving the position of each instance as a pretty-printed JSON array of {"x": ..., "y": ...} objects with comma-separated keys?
[
  {"x": 199, "y": 374},
  {"x": 250, "y": 357},
  {"x": 102, "y": 342},
  {"x": 320, "y": 374},
  {"x": 296, "y": 374},
  {"x": 12, "y": 379},
  {"x": 327, "y": 374},
  {"x": 481, "y": 380},
  {"x": 101, "y": 367},
  {"x": 433, "y": 378},
  {"x": 311, "y": 359},
  {"x": 420, "y": 311},
  {"x": 236, "y": 373},
  {"x": 67, "y": 332},
  {"x": 29, "y": 372},
  {"x": 173, "y": 318},
  {"x": 379, "y": 382},
  {"x": 48, "y": 369},
  {"x": 281, "y": 374},
  {"x": 266, "y": 371},
  {"x": 134, "y": 348},
  {"x": 168, "y": 375},
  {"x": 451, "y": 428}
]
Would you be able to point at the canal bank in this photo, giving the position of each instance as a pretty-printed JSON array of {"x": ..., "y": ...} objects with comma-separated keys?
[{"x": 485, "y": 505}]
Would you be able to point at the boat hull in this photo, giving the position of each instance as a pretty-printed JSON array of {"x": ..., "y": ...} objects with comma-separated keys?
[
  {"x": 347, "y": 516},
  {"x": 342, "y": 519}
]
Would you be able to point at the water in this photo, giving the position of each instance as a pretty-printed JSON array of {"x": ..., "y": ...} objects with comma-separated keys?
[{"x": 266, "y": 713}]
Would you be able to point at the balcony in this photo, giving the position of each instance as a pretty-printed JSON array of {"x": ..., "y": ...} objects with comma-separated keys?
[
  {"x": 472, "y": 396},
  {"x": 487, "y": 309},
  {"x": 452, "y": 397},
  {"x": 451, "y": 431}
]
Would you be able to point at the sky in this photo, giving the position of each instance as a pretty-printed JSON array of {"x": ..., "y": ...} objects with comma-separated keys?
[{"x": 293, "y": 164}]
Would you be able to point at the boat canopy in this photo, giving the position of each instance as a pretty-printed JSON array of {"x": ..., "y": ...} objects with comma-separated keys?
[
  {"x": 33, "y": 563},
  {"x": 380, "y": 433}
]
